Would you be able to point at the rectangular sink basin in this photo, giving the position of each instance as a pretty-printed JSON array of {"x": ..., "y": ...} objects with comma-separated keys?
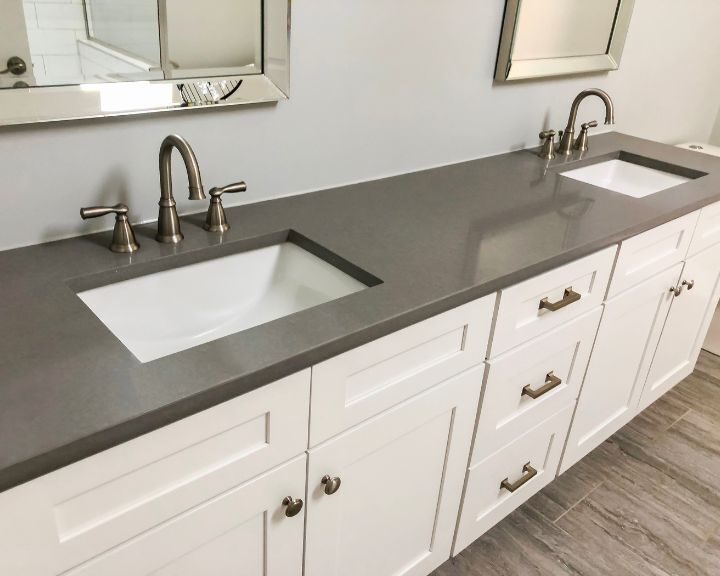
[
  {"x": 627, "y": 177},
  {"x": 166, "y": 312}
]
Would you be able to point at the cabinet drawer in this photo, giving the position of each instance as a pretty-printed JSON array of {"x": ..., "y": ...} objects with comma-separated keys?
[
  {"x": 69, "y": 516},
  {"x": 555, "y": 361},
  {"x": 525, "y": 466},
  {"x": 526, "y": 309},
  {"x": 646, "y": 254},
  {"x": 707, "y": 231},
  {"x": 365, "y": 381}
]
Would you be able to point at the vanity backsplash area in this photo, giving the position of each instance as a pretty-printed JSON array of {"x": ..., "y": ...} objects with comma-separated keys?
[{"x": 205, "y": 371}]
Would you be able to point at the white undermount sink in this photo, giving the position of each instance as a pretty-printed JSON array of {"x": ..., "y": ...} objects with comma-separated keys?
[
  {"x": 626, "y": 177},
  {"x": 173, "y": 310}
]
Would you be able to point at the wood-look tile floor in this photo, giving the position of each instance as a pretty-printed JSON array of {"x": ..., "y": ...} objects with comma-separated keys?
[{"x": 646, "y": 502}]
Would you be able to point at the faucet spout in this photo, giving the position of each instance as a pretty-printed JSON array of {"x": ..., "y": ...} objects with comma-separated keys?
[
  {"x": 567, "y": 139},
  {"x": 168, "y": 223}
]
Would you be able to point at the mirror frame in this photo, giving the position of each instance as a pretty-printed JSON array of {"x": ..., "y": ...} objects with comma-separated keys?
[
  {"x": 508, "y": 70},
  {"x": 73, "y": 102}
]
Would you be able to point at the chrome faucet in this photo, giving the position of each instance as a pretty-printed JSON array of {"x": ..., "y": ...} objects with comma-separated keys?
[
  {"x": 168, "y": 223},
  {"x": 566, "y": 143}
]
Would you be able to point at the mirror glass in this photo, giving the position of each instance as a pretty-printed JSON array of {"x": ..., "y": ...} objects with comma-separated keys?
[
  {"x": 72, "y": 42},
  {"x": 556, "y": 37}
]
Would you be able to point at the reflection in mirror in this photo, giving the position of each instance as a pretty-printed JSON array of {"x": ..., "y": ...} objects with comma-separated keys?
[
  {"x": 556, "y": 37},
  {"x": 98, "y": 41}
]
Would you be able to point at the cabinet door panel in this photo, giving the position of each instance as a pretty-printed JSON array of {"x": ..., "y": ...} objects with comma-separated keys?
[
  {"x": 81, "y": 511},
  {"x": 402, "y": 474},
  {"x": 243, "y": 531},
  {"x": 628, "y": 335},
  {"x": 686, "y": 325}
]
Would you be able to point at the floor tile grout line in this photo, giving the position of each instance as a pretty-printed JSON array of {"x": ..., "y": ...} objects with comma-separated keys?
[
  {"x": 578, "y": 502},
  {"x": 673, "y": 423}
]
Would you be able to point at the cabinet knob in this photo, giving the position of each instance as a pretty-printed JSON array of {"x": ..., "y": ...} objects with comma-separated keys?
[
  {"x": 332, "y": 484},
  {"x": 293, "y": 506},
  {"x": 677, "y": 290},
  {"x": 689, "y": 283}
]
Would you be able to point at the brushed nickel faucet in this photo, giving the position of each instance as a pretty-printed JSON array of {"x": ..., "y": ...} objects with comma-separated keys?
[
  {"x": 168, "y": 223},
  {"x": 566, "y": 143}
]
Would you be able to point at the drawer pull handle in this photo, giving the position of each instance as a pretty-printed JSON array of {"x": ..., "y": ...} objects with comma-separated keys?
[
  {"x": 528, "y": 474},
  {"x": 568, "y": 298},
  {"x": 689, "y": 283},
  {"x": 551, "y": 381},
  {"x": 293, "y": 506},
  {"x": 332, "y": 485}
]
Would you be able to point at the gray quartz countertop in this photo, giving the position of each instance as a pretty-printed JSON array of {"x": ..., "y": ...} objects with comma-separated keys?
[{"x": 436, "y": 238}]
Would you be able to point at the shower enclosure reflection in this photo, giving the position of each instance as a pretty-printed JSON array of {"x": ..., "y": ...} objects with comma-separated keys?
[{"x": 99, "y": 41}]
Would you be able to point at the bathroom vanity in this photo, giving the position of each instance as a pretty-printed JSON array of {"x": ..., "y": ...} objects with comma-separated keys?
[{"x": 508, "y": 320}]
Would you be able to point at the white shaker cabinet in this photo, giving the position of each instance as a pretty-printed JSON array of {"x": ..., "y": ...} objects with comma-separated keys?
[
  {"x": 629, "y": 332},
  {"x": 255, "y": 529},
  {"x": 686, "y": 325},
  {"x": 383, "y": 497}
]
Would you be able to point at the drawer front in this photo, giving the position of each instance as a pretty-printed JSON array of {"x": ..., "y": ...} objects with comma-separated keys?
[
  {"x": 365, "y": 381},
  {"x": 651, "y": 252},
  {"x": 539, "y": 304},
  {"x": 707, "y": 231},
  {"x": 68, "y": 516},
  {"x": 530, "y": 383},
  {"x": 502, "y": 482}
]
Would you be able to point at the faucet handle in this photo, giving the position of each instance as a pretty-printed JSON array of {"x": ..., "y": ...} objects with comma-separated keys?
[
  {"x": 581, "y": 143},
  {"x": 230, "y": 188},
  {"x": 547, "y": 151},
  {"x": 215, "y": 221},
  {"x": 123, "y": 240}
]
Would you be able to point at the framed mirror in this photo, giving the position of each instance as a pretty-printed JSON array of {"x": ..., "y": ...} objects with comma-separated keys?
[
  {"x": 558, "y": 37},
  {"x": 92, "y": 58}
]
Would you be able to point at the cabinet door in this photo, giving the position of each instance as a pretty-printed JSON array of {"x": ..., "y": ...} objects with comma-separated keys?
[
  {"x": 401, "y": 476},
  {"x": 686, "y": 325},
  {"x": 243, "y": 531},
  {"x": 629, "y": 332}
]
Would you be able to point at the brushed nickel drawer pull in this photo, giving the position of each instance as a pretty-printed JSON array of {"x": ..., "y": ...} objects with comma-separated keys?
[
  {"x": 568, "y": 298},
  {"x": 689, "y": 283},
  {"x": 551, "y": 381},
  {"x": 528, "y": 474}
]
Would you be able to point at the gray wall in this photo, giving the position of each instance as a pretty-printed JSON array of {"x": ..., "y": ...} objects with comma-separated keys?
[{"x": 378, "y": 88}]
